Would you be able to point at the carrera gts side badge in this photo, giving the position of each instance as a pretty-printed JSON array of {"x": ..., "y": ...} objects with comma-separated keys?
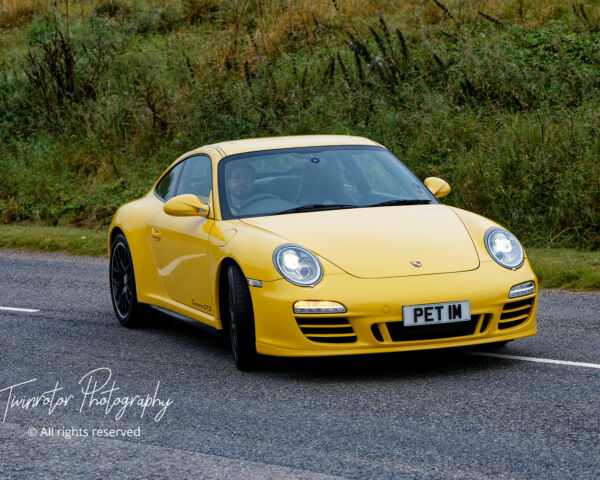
[{"x": 416, "y": 263}]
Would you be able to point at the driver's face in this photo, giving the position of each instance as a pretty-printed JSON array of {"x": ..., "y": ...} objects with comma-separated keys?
[{"x": 241, "y": 183}]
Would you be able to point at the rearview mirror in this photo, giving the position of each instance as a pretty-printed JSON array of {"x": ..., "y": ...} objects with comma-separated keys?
[
  {"x": 187, "y": 205},
  {"x": 438, "y": 187}
]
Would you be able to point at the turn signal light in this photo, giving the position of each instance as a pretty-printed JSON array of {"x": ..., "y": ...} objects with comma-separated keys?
[{"x": 522, "y": 289}]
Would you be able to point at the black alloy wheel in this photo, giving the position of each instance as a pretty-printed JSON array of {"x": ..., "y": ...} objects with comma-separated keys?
[
  {"x": 240, "y": 320},
  {"x": 122, "y": 284}
]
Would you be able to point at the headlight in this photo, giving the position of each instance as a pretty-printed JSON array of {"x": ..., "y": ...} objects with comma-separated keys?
[
  {"x": 297, "y": 265},
  {"x": 504, "y": 247}
]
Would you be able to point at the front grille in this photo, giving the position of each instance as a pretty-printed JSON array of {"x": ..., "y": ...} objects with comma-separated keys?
[
  {"x": 400, "y": 333},
  {"x": 327, "y": 330},
  {"x": 515, "y": 313}
]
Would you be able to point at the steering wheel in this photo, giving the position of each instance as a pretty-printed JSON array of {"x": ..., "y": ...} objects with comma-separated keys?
[{"x": 257, "y": 198}]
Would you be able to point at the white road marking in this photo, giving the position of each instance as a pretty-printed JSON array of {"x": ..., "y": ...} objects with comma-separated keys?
[
  {"x": 536, "y": 360},
  {"x": 13, "y": 309}
]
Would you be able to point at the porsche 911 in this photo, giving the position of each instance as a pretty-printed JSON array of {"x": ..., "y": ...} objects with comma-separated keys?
[{"x": 316, "y": 246}]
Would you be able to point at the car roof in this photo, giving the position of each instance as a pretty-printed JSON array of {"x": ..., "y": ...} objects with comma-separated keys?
[{"x": 274, "y": 143}]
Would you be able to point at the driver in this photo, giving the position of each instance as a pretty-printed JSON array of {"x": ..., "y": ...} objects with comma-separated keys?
[{"x": 240, "y": 184}]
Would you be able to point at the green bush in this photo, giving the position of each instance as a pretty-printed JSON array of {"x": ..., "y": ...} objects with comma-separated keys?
[
  {"x": 198, "y": 11},
  {"x": 506, "y": 112},
  {"x": 112, "y": 8},
  {"x": 160, "y": 20}
]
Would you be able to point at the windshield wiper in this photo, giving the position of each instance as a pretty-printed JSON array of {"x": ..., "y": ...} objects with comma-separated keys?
[
  {"x": 313, "y": 207},
  {"x": 413, "y": 201}
]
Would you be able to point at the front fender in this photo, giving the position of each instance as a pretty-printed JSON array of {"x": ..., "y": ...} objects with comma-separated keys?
[{"x": 252, "y": 250}]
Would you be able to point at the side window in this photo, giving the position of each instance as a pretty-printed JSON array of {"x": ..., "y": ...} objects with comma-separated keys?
[
  {"x": 168, "y": 185},
  {"x": 196, "y": 177}
]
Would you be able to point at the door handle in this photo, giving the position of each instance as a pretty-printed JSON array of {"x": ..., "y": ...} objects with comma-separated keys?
[{"x": 155, "y": 233}]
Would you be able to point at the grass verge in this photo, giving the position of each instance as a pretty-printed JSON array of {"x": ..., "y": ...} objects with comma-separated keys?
[
  {"x": 74, "y": 241},
  {"x": 566, "y": 268},
  {"x": 555, "y": 267}
]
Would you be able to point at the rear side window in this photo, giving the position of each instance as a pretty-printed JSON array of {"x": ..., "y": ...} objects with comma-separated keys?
[
  {"x": 196, "y": 178},
  {"x": 167, "y": 187}
]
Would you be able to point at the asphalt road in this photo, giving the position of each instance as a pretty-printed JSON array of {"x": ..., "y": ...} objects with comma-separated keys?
[{"x": 443, "y": 414}]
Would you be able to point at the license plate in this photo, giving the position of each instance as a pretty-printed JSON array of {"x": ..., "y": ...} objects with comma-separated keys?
[{"x": 436, "y": 313}]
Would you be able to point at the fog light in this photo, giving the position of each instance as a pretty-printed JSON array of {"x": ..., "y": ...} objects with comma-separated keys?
[
  {"x": 522, "y": 289},
  {"x": 318, "y": 306}
]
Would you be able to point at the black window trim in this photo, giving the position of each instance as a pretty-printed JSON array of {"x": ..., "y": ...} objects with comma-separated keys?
[
  {"x": 195, "y": 156},
  {"x": 180, "y": 173}
]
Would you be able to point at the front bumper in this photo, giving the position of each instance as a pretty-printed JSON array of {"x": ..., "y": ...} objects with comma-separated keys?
[{"x": 373, "y": 321}]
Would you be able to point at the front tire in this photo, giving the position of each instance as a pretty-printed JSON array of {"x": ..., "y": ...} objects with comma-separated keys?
[
  {"x": 122, "y": 284},
  {"x": 240, "y": 320}
]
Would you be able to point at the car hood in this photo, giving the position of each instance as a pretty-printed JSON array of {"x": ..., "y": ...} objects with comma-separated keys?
[{"x": 380, "y": 242}]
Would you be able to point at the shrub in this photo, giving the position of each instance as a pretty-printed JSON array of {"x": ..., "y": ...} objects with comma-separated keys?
[
  {"x": 197, "y": 11},
  {"x": 160, "y": 20},
  {"x": 112, "y": 8},
  {"x": 59, "y": 74}
]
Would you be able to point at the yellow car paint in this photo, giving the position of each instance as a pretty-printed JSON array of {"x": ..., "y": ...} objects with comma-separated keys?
[
  {"x": 187, "y": 205},
  {"x": 438, "y": 187},
  {"x": 385, "y": 230}
]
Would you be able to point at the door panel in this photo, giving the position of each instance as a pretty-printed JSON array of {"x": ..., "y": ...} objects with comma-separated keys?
[
  {"x": 181, "y": 259},
  {"x": 180, "y": 244}
]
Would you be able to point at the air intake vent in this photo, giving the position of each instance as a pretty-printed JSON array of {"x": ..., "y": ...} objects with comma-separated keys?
[
  {"x": 400, "y": 333},
  {"x": 377, "y": 332},
  {"x": 486, "y": 321},
  {"x": 515, "y": 313},
  {"x": 327, "y": 330}
]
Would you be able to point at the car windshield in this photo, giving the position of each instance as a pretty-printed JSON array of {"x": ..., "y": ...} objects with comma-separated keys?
[{"x": 278, "y": 182}]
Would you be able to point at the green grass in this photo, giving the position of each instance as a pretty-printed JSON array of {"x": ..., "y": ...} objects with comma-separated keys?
[
  {"x": 74, "y": 241},
  {"x": 504, "y": 106},
  {"x": 555, "y": 267},
  {"x": 566, "y": 268}
]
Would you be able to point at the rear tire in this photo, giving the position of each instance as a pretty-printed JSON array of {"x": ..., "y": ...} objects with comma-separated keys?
[
  {"x": 122, "y": 284},
  {"x": 240, "y": 320}
]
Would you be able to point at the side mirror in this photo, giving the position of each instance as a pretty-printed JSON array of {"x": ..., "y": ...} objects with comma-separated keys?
[
  {"x": 438, "y": 187},
  {"x": 187, "y": 205}
]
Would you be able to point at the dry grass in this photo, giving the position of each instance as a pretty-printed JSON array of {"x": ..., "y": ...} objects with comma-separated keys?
[
  {"x": 528, "y": 13},
  {"x": 277, "y": 17},
  {"x": 14, "y": 6},
  {"x": 14, "y": 13},
  {"x": 18, "y": 12},
  {"x": 281, "y": 23}
]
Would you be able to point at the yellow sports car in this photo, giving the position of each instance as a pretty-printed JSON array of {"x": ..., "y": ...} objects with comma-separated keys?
[{"x": 316, "y": 245}]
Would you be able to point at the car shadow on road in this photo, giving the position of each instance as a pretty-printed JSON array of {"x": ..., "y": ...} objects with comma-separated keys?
[
  {"x": 429, "y": 363},
  {"x": 189, "y": 340}
]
